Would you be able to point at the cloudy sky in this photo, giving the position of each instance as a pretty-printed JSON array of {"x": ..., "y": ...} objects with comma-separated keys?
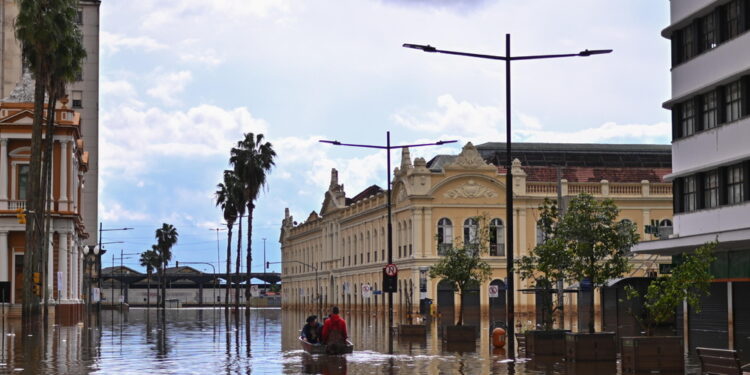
[{"x": 182, "y": 80}]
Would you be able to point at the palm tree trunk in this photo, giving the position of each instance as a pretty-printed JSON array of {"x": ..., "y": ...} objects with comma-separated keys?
[
  {"x": 460, "y": 307},
  {"x": 164, "y": 285},
  {"x": 47, "y": 191},
  {"x": 229, "y": 267},
  {"x": 248, "y": 265},
  {"x": 32, "y": 259},
  {"x": 237, "y": 268},
  {"x": 148, "y": 288}
]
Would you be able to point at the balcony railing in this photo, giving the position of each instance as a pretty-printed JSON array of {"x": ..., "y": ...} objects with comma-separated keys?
[
  {"x": 16, "y": 204},
  {"x": 604, "y": 188}
]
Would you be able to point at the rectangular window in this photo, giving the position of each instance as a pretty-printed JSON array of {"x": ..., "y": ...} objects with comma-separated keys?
[
  {"x": 710, "y": 110},
  {"x": 688, "y": 43},
  {"x": 23, "y": 180},
  {"x": 79, "y": 16},
  {"x": 687, "y": 118},
  {"x": 77, "y": 99},
  {"x": 733, "y": 19},
  {"x": 733, "y": 100},
  {"x": 689, "y": 194},
  {"x": 735, "y": 184},
  {"x": 711, "y": 189},
  {"x": 709, "y": 32}
]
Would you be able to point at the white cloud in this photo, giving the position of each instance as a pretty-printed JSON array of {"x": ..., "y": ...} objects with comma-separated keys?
[
  {"x": 208, "y": 57},
  {"x": 133, "y": 139},
  {"x": 112, "y": 43},
  {"x": 114, "y": 211},
  {"x": 169, "y": 85},
  {"x": 455, "y": 117},
  {"x": 170, "y": 11},
  {"x": 609, "y": 132}
]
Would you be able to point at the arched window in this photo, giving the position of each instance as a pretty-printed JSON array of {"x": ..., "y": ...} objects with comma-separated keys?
[
  {"x": 471, "y": 233},
  {"x": 497, "y": 238},
  {"x": 665, "y": 223},
  {"x": 541, "y": 234},
  {"x": 444, "y": 235}
]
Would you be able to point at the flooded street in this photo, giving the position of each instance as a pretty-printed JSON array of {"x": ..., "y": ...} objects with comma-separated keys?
[{"x": 199, "y": 341}]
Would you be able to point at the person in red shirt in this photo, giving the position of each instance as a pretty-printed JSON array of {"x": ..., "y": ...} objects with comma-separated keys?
[{"x": 334, "y": 328}]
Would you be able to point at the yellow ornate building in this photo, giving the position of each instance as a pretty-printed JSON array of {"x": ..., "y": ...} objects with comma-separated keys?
[{"x": 435, "y": 203}]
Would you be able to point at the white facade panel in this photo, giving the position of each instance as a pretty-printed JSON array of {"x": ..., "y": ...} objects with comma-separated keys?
[
  {"x": 711, "y": 148},
  {"x": 713, "y": 220},
  {"x": 681, "y": 9},
  {"x": 722, "y": 63}
]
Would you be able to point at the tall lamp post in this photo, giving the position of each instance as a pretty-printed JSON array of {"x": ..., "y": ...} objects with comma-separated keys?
[
  {"x": 508, "y": 160},
  {"x": 388, "y": 147}
]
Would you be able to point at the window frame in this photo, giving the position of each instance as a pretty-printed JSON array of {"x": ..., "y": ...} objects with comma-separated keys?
[
  {"x": 444, "y": 235},
  {"x": 497, "y": 237}
]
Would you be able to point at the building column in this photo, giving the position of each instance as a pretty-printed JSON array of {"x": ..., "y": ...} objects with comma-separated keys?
[
  {"x": 64, "y": 177},
  {"x": 416, "y": 230},
  {"x": 4, "y": 259},
  {"x": 4, "y": 174},
  {"x": 62, "y": 266}
]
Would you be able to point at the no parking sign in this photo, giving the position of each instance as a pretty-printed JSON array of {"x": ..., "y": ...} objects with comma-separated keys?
[
  {"x": 366, "y": 291},
  {"x": 494, "y": 291}
]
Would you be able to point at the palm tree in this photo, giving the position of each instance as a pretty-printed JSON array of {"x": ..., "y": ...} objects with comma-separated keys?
[
  {"x": 227, "y": 194},
  {"x": 45, "y": 30},
  {"x": 150, "y": 260},
  {"x": 166, "y": 237},
  {"x": 252, "y": 160}
]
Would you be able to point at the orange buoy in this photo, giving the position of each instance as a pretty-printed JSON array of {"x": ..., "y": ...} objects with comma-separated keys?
[{"x": 498, "y": 337}]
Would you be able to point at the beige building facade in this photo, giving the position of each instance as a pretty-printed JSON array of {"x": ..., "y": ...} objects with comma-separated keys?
[{"x": 341, "y": 251}]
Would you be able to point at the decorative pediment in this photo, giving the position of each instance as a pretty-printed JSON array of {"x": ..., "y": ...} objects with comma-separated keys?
[
  {"x": 24, "y": 117},
  {"x": 471, "y": 189},
  {"x": 469, "y": 158},
  {"x": 401, "y": 194}
]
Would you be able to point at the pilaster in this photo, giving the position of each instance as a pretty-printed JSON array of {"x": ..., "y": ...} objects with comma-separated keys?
[
  {"x": 4, "y": 259},
  {"x": 4, "y": 176}
]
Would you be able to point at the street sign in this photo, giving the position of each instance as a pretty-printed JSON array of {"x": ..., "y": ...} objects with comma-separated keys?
[
  {"x": 377, "y": 292},
  {"x": 391, "y": 270},
  {"x": 366, "y": 291},
  {"x": 494, "y": 291}
]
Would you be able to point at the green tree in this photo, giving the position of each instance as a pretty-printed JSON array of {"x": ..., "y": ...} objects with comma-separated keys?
[
  {"x": 166, "y": 237},
  {"x": 689, "y": 281},
  {"x": 548, "y": 262},
  {"x": 228, "y": 197},
  {"x": 595, "y": 242},
  {"x": 52, "y": 50},
  {"x": 150, "y": 260},
  {"x": 252, "y": 160},
  {"x": 462, "y": 265}
]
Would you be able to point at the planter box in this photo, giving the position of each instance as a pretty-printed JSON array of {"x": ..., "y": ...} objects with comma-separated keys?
[
  {"x": 599, "y": 346},
  {"x": 412, "y": 330},
  {"x": 545, "y": 342},
  {"x": 653, "y": 353},
  {"x": 460, "y": 334}
]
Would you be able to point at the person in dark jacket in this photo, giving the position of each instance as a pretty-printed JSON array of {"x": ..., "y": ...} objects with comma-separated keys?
[
  {"x": 334, "y": 329},
  {"x": 311, "y": 331}
]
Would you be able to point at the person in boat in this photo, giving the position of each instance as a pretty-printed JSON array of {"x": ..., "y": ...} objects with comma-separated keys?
[
  {"x": 312, "y": 330},
  {"x": 334, "y": 329}
]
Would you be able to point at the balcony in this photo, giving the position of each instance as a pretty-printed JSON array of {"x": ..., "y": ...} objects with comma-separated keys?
[
  {"x": 16, "y": 204},
  {"x": 603, "y": 188}
]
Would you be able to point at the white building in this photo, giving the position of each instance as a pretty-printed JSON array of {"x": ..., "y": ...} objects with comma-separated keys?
[{"x": 710, "y": 105}]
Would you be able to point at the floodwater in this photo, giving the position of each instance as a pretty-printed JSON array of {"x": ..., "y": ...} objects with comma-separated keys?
[{"x": 201, "y": 341}]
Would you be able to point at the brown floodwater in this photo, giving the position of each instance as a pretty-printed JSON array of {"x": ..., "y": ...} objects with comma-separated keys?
[{"x": 202, "y": 341}]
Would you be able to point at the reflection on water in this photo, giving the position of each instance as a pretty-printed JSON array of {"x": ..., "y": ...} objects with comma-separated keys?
[{"x": 202, "y": 341}]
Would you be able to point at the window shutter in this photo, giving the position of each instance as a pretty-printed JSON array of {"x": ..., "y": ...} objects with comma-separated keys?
[
  {"x": 700, "y": 180},
  {"x": 676, "y": 47},
  {"x": 722, "y": 186},
  {"x": 698, "y": 103},
  {"x": 676, "y": 129}
]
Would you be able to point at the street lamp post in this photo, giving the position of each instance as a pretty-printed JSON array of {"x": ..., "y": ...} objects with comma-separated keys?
[
  {"x": 388, "y": 147},
  {"x": 508, "y": 160}
]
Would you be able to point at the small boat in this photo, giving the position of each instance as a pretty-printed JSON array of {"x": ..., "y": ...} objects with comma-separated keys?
[{"x": 324, "y": 349}]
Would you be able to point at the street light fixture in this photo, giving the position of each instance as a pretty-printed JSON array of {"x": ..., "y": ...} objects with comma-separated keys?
[
  {"x": 509, "y": 176},
  {"x": 388, "y": 149}
]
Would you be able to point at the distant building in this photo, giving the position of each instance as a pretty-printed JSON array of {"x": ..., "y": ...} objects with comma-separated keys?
[
  {"x": 710, "y": 105},
  {"x": 435, "y": 203}
]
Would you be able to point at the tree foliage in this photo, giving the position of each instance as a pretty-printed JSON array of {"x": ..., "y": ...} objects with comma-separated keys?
[
  {"x": 462, "y": 265},
  {"x": 548, "y": 262},
  {"x": 689, "y": 281}
]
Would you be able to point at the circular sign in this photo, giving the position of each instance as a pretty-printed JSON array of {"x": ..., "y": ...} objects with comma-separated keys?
[
  {"x": 494, "y": 291},
  {"x": 391, "y": 270}
]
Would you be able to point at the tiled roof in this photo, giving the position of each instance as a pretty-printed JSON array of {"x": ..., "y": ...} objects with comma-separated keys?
[
  {"x": 591, "y": 174},
  {"x": 369, "y": 191}
]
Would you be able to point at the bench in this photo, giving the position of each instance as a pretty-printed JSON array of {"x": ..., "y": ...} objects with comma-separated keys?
[{"x": 721, "y": 362}]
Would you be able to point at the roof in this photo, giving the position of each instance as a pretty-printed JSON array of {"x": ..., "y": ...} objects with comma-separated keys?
[
  {"x": 369, "y": 191},
  {"x": 119, "y": 270},
  {"x": 581, "y": 154},
  {"x": 592, "y": 174}
]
